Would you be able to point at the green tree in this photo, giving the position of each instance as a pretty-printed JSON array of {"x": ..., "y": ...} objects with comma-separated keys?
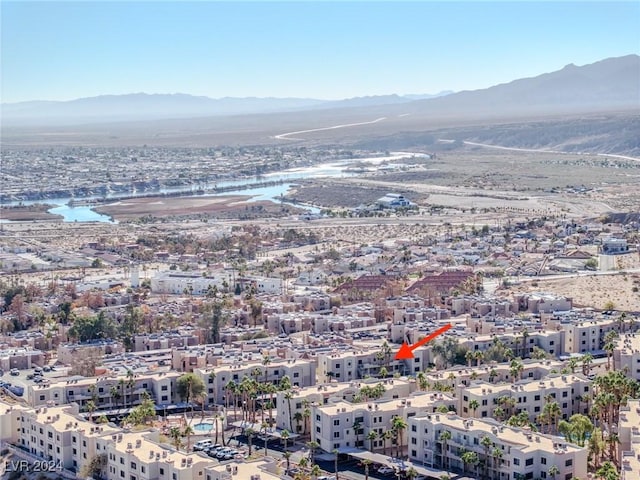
[
  {"x": 608, "y": 471},
  {"x": 176, "y": 436},
  {"x": 190, "y": 387}
]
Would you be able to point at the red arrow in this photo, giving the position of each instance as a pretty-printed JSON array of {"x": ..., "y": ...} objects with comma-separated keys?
[{"x": 406, "y": 351}]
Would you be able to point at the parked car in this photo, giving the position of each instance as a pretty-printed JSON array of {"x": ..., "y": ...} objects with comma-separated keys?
[
  {"x": 201, "y": 445},
  {"x": 15, "y": 372},
  {"x": 384, "y": 470}
]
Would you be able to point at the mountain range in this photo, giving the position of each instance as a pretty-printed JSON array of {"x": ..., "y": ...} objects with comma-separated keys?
[
  {"x": 612, "y": 84},
  {"x": 143, "y": 106}
]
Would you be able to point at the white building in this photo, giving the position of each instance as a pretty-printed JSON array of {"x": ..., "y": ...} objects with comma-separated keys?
[
  {"x": 510, "y": 453},
  {"x": 629, "y": 436},
  {"x": 345, "y": 425}
]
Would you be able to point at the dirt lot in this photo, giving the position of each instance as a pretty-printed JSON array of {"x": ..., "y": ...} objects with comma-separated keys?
[
  {"x": 28, "y": 213},
  {"x": 216, "y": 207},
  {"x": 591, "y": 291}
]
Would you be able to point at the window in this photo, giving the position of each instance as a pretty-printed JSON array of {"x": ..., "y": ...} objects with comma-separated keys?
[
  {"x": 528, "y": 462},
  {"x": 296, "y": 374},
  {"x": 163, "y": 388},
  {"x": 564, "y": 394},
  {"x": 162, "y": 471},
  {"x": 537, "y": 398},
  {"x": 336, "y": 434},
  {"x": 414, "y": 428},
  {"x": 133, "y": 466},
  {"x": 568, "y": 463},
  {"x": 336, "y": 423},
  {"x": 543, "y": 460},
  {"x": 516, "y": 461}
]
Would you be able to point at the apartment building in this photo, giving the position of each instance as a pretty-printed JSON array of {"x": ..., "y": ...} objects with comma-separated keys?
[
  {"x": 626, "y": 355},
  {"x": 584, "y": 332},
  {"x": 629, "y": 436},
  {"x": 21, "y": 358},
  {"x": 288, "y": 409},
  {"x": 357, "y": 364},
  {"x": 302, "y": 373},
  {"x": 10, "y": 424},
  {"x": 109, "y": 391},
  {"x": 511, "y": 453},
  {"x": 529, "y": 396},
  {"x": 344, "y": 425},
  {"x": 493, "y": 373},
  {"x": 551, "y": 341},
  {"x": 59, "y": 435},
  {"x": 68, "y": 353}
]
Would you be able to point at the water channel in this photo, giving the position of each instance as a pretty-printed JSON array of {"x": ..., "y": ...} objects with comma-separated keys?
[{"x": 85, "y": 213}]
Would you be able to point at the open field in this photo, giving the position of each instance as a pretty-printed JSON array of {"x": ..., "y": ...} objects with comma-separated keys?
[
  {"x": 162, "y": 207},
  {"x": 28, "y": 213},
  {"x": 592, "y": 291},
  {"x": 478, "y": 178}
]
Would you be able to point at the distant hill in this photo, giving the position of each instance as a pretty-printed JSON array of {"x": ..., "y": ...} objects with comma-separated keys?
[
  {"x": 606, "y": 85},
  {"x": 143, "y": 106}
]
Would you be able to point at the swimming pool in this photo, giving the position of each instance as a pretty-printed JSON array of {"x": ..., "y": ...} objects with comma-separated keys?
[{"x": 203, "y": 427}]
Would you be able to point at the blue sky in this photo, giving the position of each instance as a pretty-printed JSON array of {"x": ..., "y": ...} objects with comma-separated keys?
[{"x": 64, "y": 50}]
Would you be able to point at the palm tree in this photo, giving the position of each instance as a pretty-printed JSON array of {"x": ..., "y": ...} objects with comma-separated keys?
[
  {"x": 387, "y": 435},
  {"x": 313, "y": 445},
  {"x": 468, "y": 357},
  {"x": 613, "y": 440},
  {"x": 249, "y": 434},
  {"x": 486, "y": 443},
  {"x": 469, "y": 458},
  {"x": 411, "y": 473},
  {"x": 306, "y": 413},
  {"x": 121, "y": 385},
  {"x": 287, "y": 457},
  {"x": 496, "y": 453},
  {"x": 366, "y": 462},
  {"x": 553, "y": 471},
  {"x": 515, "y": 369},
  {"x": 285, "y": 436},
  {"x": 316, "y": 471},
  {"x": 399, "y": 425},
  {"x": 288, "y": 396},
  {"x": 371, "y": 436},
  {"x": 90, "y": 407},
  {"x": 130, "y": 384},
  {"x": 335, "y": 460},
  {"x": 115, "y": 394},
  {"x": 608, "y": 472},
  {"x": 187, "y": 432},
  {"x": 176, "y": 435},
  {"x": 473, "y": 405},
  {"x": 587, "y": 360},
  {"x": 423, "y": 384},
  {"x": 356, "y": 430},
  {"x": 445, "y": 436},
  {"x": 298, "y": 417}
]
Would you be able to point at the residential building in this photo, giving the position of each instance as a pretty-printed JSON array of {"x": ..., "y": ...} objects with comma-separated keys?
[
  {"x": 510, "y": 453},
  {"x": 629, "y": 437}
]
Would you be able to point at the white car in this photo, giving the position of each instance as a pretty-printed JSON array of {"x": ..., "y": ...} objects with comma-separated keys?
[{"x": 384, "y": 470}]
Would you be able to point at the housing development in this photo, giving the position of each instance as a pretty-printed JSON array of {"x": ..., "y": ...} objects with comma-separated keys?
[{"x": 253, "y": 350}]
